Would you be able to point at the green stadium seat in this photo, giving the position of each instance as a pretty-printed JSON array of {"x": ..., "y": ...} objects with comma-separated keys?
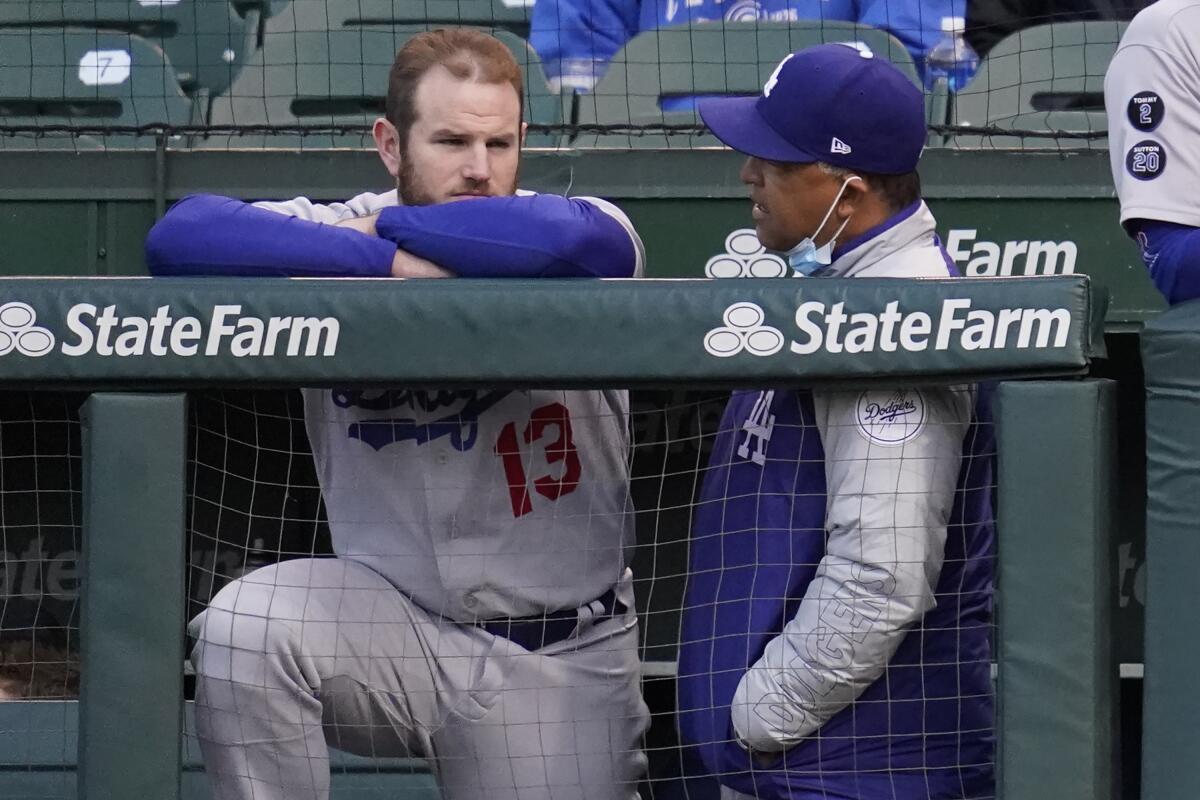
[
  {"x": 205, "y": 40},
  {"x": 1050, "y": 77},
  {"x": 69, "y": 79},
  {"x": 303, "y": 78},
  {"x": 510, "y": 15},
  {"x": 704, "y": 59}
]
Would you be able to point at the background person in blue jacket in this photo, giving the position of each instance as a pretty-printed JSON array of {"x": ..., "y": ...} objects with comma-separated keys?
[
  {"x": 576, "y": 38},
  {"x": 479, "y": 612},
  {"x": 835, "y": 630}
]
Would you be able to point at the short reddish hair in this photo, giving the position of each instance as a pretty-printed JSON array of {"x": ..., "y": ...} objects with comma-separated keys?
[{"x": 468, "y": 54}]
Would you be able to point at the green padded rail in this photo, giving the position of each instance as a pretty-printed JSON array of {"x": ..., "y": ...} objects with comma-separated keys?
[
  {"x": 1170, "y": 747},
  {"x": 549, "y": 332},
  {"x": 140, "y": 332},
  {"x": 1057, "y": 573},
  {"x": 133, "y": 596}
]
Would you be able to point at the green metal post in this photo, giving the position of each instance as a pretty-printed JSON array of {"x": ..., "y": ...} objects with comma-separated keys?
[
  {"x": 131, "y": 693},
  {"x": 1170, "y": 747},
  {"x": 1059, "y": 679}
]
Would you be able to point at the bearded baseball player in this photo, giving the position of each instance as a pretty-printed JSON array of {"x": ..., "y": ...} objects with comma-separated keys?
[
  {"x": 835, "y": 638},
  {"x": 479, "y": 612},
  {"x": 1152, "y": 96}
]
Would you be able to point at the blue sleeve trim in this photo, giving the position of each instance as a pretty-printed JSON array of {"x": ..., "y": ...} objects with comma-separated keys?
[
  {"x": 1172, "y": 254},
  {"x": 524, "y": 236},
  {"x": 207, "y": 234}
]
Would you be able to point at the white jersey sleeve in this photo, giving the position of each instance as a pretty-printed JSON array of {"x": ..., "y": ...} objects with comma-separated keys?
[
  {"x": 639, "y": 270},
  {"x": 362, "y": 205},
  {"x": 1152, "y": 96},
  {"x": 890, "y": 492}
]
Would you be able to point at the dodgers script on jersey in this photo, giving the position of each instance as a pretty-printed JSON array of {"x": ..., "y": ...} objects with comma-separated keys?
[{"x": 479, "y": 503}]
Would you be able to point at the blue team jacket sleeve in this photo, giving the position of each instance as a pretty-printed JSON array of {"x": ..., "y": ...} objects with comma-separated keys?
[
  {"x": 576, "y": 38},
  {"x": 1172, "y": 254},
  {"x": 525, "y": 236},
  {"x": 916, "y": 23},
  {"x": 206, "y": 234}
]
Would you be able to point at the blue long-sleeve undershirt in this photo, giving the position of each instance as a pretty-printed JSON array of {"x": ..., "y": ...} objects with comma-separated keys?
[
  {"x": 525, "y": 236},
  {"x": 522, "y": 236},
  {"x": 1172, "y": 254},
  {"x": 206, "y": 234}
]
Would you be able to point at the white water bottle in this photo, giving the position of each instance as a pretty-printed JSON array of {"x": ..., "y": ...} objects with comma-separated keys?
[{"x": 951, "y": 58}]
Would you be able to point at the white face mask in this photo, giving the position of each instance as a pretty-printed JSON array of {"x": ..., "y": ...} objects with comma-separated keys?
[{"x": 806, "y": 258}]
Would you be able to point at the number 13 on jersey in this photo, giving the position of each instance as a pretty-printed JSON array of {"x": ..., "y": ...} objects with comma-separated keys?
[{"x": 549, "y": 426}]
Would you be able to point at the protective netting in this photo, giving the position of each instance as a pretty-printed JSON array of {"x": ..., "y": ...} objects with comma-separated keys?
[
  {"x": 517, "y": 515},
  {"x": 312, "y": 74},
  {"x": 40, "y": 531},
  {"x": 481, "y": 521}
]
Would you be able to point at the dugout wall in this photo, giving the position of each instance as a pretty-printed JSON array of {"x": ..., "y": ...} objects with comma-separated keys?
[
  {"x": 1169, "y": 745},
  {"x": 1056, "y": 671}
]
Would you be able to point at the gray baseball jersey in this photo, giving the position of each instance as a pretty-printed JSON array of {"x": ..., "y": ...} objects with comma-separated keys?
[
  {"x": 478, "y": 503},
  {"x": 474, "y": 504},
  {"x": 1152, "y": 95}
]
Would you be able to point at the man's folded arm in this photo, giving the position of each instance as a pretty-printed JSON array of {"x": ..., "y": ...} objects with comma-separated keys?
[
  {"x": 527, "y": 236},
  {"x": 523, "y": 236},
  {"x": 888, "y": 508},
  {"x": 211, "y": 235}
]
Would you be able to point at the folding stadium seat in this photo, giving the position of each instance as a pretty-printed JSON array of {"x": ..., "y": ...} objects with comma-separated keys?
[
  {"x": 1050, "y": 77},
  {"x": 205, "y": 40},
  {"x": 71, "y": 78},
  {"x": 706, "y": 59},
  {"x": 510, "y": 15},
  {"x": 338, "y": 77}
]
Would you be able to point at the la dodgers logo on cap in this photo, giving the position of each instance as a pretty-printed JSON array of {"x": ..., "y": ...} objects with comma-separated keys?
[{"x": 774, "y": 79}]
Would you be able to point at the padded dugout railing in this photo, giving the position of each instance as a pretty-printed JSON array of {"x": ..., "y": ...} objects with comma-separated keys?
[{"x": 1057, "y": 669}]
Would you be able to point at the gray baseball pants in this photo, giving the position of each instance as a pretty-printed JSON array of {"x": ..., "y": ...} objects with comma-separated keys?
[{"x": 297, "y": 656}]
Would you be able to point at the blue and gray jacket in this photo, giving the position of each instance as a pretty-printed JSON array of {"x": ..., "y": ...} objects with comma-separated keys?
[{"x": 835, "y": 637}]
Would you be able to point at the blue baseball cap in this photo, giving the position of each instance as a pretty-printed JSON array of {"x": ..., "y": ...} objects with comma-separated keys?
[{"x": 836, "y": 103}]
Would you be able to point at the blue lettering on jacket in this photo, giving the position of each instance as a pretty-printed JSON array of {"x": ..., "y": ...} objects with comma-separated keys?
[{"x": 461, "y": 426}]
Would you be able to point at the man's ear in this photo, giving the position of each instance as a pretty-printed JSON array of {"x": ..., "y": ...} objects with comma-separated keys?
[
  {"x": 521, "y": 138},
  {"x": 853, "y": 196},
  {"x": 387, "y": 143}
]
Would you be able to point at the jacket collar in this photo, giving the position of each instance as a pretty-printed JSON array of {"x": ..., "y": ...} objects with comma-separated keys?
[{"x": 899, "y": 232}]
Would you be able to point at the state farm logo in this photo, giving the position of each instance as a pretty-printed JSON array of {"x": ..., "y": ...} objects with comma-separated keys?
[
  {"x": 223, "y": 331},
  {"x": 831, "y": 328},
  {"x": 745, "y": 257},
  {"x": 743, "y": 330},
  {"x": 19, "y": 332}
]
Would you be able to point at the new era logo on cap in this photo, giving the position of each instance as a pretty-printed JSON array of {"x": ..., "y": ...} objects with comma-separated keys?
[{"x": 838, "y": 146}]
